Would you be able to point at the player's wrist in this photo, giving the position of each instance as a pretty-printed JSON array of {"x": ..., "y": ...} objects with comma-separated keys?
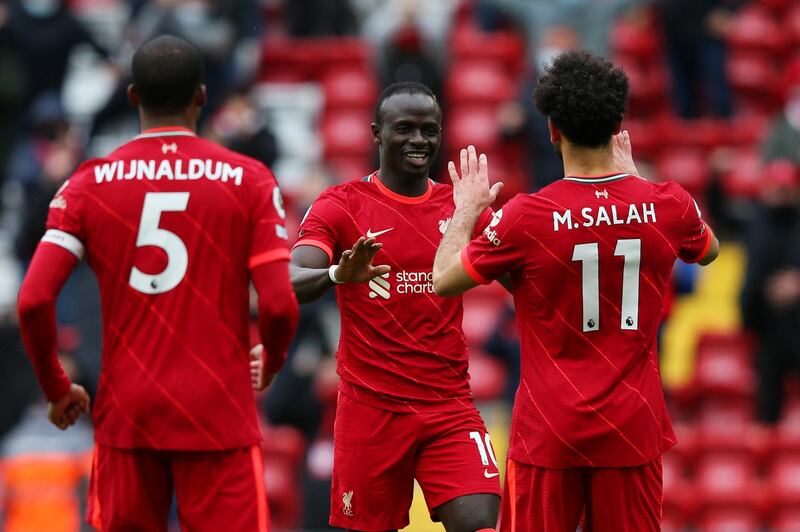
[{"x": 332, "y": 274}]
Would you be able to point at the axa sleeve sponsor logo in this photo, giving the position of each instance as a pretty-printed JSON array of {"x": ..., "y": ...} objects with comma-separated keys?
[
  {"x": 415, "y": 283},
  {"x": 491, "y": 233}
]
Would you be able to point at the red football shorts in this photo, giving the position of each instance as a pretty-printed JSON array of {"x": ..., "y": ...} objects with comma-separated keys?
[
  {"x": 131, "y": 489},
  {"x": 553, "y": 500},
  {"x": 378, "y": 454}
]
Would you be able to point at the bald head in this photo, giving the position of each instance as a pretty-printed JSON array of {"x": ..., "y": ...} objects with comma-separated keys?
[{"x": 167, "y": 73}]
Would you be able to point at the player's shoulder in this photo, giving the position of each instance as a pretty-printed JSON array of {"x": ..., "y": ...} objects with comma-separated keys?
[
  {"x": 253, "y": 166},
  {"x": 345, "y": 190},
  {"x": 671, "y": 191}
]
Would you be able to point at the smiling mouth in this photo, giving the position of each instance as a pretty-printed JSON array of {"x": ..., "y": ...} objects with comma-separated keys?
[{"x": 416, "y": 156}]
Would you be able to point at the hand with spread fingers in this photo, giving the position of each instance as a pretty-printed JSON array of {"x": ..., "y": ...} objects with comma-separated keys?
[
  {"x": 623, "y": 153},
  {"x": 471, "y": 189},
  {"x": 355, "y": 266},
  {"x": 66, "y": 411}
]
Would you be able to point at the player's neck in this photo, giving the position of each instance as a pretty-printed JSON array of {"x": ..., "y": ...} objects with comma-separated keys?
[
  {"x": 580, "y": 161},
  {"x": 405, "y": 185},
  {"x": 152, "y": 122}
]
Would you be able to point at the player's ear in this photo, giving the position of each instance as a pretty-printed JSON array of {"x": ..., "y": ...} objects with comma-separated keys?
[
  {"x": 376, "y": 133},
  {"x": 201, "y": 96},
  {"x": 555, "y": 134},
  {"x": 133, "y": 95}
]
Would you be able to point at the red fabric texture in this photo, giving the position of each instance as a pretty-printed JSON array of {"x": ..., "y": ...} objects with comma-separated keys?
[{"x": 49, "y": 269}]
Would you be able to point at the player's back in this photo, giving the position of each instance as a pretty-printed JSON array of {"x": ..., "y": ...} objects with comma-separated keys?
[
  {"x": 168, "y": 221},
  {"x": 589, "y": 298}
]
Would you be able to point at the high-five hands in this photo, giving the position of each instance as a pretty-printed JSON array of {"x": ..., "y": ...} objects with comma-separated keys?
[
  {"x": 66, "y": 411},
  {"x": 471, "y": 189},
  {"x": 355, "y": 266}
]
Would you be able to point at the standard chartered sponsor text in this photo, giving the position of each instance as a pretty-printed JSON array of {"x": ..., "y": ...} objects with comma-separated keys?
[
  {"x": 414, "y": 282},
  {"x": 172, "y": 170}
]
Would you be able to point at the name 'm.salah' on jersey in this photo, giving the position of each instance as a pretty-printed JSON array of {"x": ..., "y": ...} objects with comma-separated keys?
[
  {"x": 590, "y": 259},
  {"x": 401, "y": 346},
  {"x": 171, "y": 224}
]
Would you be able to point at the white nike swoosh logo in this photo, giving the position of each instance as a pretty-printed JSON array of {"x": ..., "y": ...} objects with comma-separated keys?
[
  {"x": 370, "y": 234},
  {"x": 489, "y": 475}
]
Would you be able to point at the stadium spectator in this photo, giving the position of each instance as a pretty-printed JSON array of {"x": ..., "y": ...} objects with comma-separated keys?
[
  {"x": 405, "y": 57},
  {"x": 405, "y": 409},
  {"x": 175, "y": 228},
  {"x": 782, "y": 140},
  {"x": 590, "y": 422},
  {"x": 319, "y": 18},
  {"x": 770, "y": 297},
  {"x": 694, "y": 37},
  {"x": 43, "y": 33}
]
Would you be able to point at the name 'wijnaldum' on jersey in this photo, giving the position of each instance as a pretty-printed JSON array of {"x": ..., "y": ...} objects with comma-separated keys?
[{"x": 173, "y": 170}]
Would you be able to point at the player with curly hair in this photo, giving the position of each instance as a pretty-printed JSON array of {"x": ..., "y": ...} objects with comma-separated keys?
[{"x": 589, "y": 258}]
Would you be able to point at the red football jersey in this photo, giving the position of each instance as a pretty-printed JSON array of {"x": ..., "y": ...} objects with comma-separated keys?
[
  {"x": 590, "y": 260},
  {"x": 171, "y": 223},
  {"x": 401, "y": 346}
]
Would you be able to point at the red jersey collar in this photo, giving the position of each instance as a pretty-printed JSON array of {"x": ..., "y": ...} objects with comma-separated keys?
[
  {"x": 168, "y": 131},
  {"x": 399, "y": 197}
]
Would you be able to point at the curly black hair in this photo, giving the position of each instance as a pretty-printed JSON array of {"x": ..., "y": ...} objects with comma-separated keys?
[{"x": 584, "y": 95}]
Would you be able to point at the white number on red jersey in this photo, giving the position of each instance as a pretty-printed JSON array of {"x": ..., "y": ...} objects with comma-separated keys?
[{"x": 150, "y": 234}]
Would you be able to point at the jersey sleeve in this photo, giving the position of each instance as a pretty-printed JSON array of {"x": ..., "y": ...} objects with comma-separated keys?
[
  {"x": 499, "y": 248},
  {"x": 483, "y": 222},
  {"x": 695, "y": 237},
  {"x": 270, "y": 241},
  {"x": 320, "y": 223},
  {"x": 64, "y": 225}
]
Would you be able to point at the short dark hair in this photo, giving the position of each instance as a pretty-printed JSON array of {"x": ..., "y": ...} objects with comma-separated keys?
[
  {"x": 585, "y": 97},
  {"x": 403, "y": 87},
  {"x": 167, "y": 71}
]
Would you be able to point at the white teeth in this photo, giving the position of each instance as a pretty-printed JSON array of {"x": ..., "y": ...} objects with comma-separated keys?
[{"x": 416, "y": 155}]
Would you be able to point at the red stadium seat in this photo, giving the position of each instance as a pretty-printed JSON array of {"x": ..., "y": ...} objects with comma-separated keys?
[
  {"x": 688, "y": 167},
  {"x": 726, "y": 481},
  {"x": 754, "y": 29},
  {"x": 731, "y": 520},
  {"x": 743, "y": 178},
  {"x": 347, "y": 133},
  {"x": 724, "y": 372},
  {"x": 747, "y": 131},
  {"x": 282, "y": 60},
  {"x": 477, "y": 126},
  {"x": 478, "y": 82},
  {"x": 487, "y": 376},
  {"x": 786, "y": 521},
  {"x": 634, "y": 40},
  {"x": 348, "y": 168},
  {"x": 777, "y": 7},
  {"x": 645, "y": 138},
  {"x": 350, "y": 89},
  {"x": 755, "y": 80},
  {"x": 787, "y": 434},
  {"x": 505, "y": 49},
  {"x": 791, "y": 22},
  {"x": 480, "y": 316},
  {"x": 785, "y": 480}
]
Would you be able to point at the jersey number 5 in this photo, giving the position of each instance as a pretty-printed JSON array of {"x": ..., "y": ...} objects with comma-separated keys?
[
  {"x": 589, "y": 256},
  {"x": 150, "y": 234}
]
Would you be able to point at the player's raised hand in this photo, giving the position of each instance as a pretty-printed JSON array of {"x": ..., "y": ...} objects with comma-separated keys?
[
  {"x": 258, "y": 378},
  {"x": 471, "y": 189},
  {"x": 66, "y": 411},
  {"x": 355, "y": 266},
  {"x": 623, "y": 153}
]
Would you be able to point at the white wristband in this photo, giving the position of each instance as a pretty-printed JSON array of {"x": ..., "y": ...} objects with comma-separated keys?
[{"x": 332, "y": 274}]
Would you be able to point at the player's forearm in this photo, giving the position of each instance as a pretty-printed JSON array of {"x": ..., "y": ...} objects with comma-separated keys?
[
  {"x": 448, "y": 255},
  {"x": 36, "y": 306},
  {"x": 277, "y": 327},
  {"x": 309, "y": 283}
]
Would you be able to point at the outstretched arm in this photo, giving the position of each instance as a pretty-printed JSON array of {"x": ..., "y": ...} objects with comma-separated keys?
[
  {"x": 472, "y": 195},
  {"x": 311, "y": 275}
]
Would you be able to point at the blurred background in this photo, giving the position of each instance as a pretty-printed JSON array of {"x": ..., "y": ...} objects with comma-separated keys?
[{"x": 714, "y": 105}]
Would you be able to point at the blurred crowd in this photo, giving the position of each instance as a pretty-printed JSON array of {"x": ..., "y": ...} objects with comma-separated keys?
[{"x": 715, "y": 105}]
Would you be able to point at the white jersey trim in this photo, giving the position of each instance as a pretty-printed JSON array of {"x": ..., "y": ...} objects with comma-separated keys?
[
  {"x": 164, "y": 134},
  {"x": 66, "y": 241},
  {"x": 596, "y": 179}
]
